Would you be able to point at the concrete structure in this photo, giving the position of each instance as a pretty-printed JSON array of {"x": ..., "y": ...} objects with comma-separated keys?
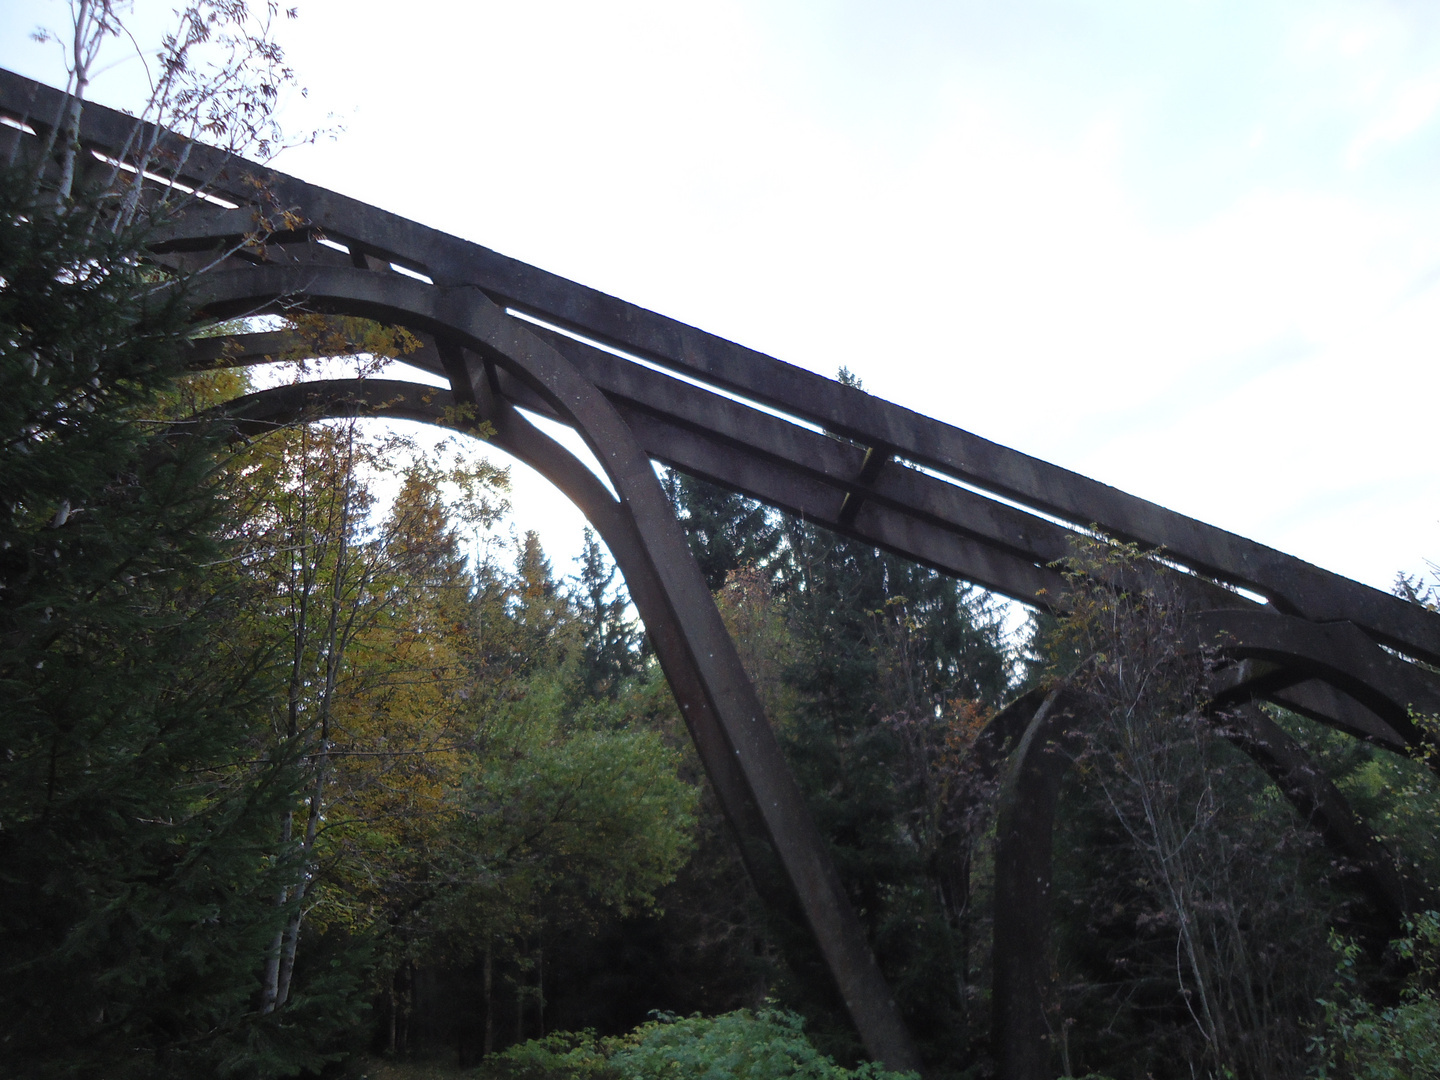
[{"x": 508, "y": 336}]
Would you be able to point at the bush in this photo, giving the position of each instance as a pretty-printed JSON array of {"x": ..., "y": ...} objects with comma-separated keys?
[
  {"x": 1398, "y": 1042},
  {"x": 769, "y": 1044}
]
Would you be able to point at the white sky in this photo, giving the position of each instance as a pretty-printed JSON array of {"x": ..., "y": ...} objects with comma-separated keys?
[{"x": 1191, "y": 248}]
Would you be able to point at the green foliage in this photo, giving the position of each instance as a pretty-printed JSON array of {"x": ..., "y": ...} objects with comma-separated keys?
[
  {"x": 561, "y": 1055},
  {"x": 555, "y": 828},
  {"x": 552, "y": 810},
  {"x": 767, "y": 1044},
  {"x": 1397, "y": 795},
  {"x": 1400, "y": 1041}
]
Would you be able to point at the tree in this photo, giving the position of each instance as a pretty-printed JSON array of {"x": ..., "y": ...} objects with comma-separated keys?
[
  {"x": 140, "y": 789},
  {"x": 565, "y": 811},
  {"x": 726, "y": 531},
  {"x": 216, "y": 78},
  {"x": 609, "y": 640},
  {"x": 876, "y": 673},
  {"x": 896, "y": 668},
  {"x": 1200, "y": 893},
  {"x": 135, "y": 798},
  {"x": 370, "y": 618}
]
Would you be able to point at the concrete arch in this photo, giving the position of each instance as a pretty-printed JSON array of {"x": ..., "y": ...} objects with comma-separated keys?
[
  {"x": 487, "y": 354},
  {"x": 781, "y": 847},
  {"x": 1337, "y": 654},
  {"x": 1041, "y": 731}
]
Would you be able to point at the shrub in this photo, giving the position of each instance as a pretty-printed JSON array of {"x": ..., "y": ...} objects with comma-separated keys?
[
  {"x": 768, "y": 1044},
  {"x": 1398, "y": 1042}
]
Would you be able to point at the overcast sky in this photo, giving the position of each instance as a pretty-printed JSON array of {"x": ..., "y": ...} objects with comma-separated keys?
[{"x": 1191, "y": 249}]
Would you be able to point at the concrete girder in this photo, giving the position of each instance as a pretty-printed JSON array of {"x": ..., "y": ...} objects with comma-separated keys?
[{"x": 378, "y": 239}]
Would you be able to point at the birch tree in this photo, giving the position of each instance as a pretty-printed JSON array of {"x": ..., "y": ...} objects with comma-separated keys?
[{"x": 216, "y": 75}]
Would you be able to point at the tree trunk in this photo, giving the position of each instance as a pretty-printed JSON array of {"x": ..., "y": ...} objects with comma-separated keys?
[
  {"x": 489, "y": 997},
  {"x": 520, "y": 1006},
  {"x": 270, "y": 981},
  {"x": 394, "y": 1009}
]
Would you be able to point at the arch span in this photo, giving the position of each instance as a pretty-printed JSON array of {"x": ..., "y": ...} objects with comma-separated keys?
[
  {"x": 783, "y": 852},
  {"x": 1030, "y": 746}
]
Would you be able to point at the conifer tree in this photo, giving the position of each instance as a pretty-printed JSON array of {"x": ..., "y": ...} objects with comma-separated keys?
[
  {"x": 136, "y": 801},
  {"x": 608, "y": 639},
  {"x": 888, "y": 670},
  {"x": 136, "y": 792},
  {"x": 726, "y": 531}
]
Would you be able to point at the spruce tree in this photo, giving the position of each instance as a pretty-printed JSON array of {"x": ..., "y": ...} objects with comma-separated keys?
[
  {"x": 726, "y": 531},
  {"x": 889, "y": 669},
  {"x": 608, "y": 639},
  {"x": 137, "y": 817}
]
